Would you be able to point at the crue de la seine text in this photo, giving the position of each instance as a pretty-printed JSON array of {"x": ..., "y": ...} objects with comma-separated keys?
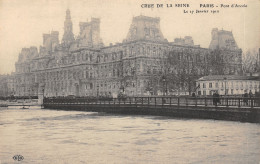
[{"x": 194, "y": 9}]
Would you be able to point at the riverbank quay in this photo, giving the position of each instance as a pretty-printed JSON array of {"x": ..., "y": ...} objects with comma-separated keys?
[
  {"x": 231, "y": 109},
  {"x": 19, "y": 102}
]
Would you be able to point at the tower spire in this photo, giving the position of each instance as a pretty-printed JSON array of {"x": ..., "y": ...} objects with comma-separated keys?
[
  {"x": 68, "y": 35},
  {"x": 68, "y": 14}
]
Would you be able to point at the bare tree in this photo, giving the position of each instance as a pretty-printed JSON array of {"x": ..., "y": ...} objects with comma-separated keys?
[
  {"x": 216, "y": 62},
  {"x": 182, "y": 68},
  {"x": 185, "y": 72},
  {"x": 250, "y": 61}
]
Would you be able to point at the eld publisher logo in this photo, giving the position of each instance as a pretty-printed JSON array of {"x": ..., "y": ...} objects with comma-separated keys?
[{"x": 18, "y": 157}]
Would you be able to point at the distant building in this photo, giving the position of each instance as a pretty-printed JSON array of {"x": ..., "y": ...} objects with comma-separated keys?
[
  {"x": 227, "y": 85},
  {"x": 222, "y": 39},
  {"x": 68, "y": 36},
  {"x": 11, "y": 85},
  {"x": 83, "y": 66},
  {"x": 3, "y": 85},
  {"x": 186, "y": 41},
  {"x": 7, "y": 85}
]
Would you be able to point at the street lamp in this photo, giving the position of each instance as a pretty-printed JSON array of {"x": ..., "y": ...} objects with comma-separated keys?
[
  {"x": 97, "y": 90},
  {"x": 164, "y": 81},
  {"x": 56, "y": 91},
  {"x": 149, "y": 88},
  {"x": 63, "y": 92},
  {"x": 43, "y": 92},
  {"x": 29, "y": 91},
  {"x": 225, "y": 80}
]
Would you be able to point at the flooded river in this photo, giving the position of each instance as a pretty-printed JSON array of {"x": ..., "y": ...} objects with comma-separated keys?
[{"x": 50, "y": 136}]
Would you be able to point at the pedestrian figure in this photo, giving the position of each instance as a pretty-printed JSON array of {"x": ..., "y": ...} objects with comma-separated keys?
[
  {"x": 193, "y": 94},
  {"x": 250, "y": 94},
  {"x": 257, "y": 94},
  {"x": 217, "y": 98},
  {"x": 214, "y": 98},
  {"x": 245, "y": 98}
]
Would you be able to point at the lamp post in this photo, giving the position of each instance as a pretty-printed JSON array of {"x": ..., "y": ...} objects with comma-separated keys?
[
  {"x": 43, "y": 92},
  {"x": 225, "y": 80},
  {"x": 164, "y": 81},
  {"x": 56, "y": 91},
  {"x": 166, "y": 88},
  {"x": 29, "y": 92},
  {"x": 43, "y": 89},
  {"x": 149, "y": 88},
  {"x": 97, "y": 90},
  {"x": 63, "y": 92}
]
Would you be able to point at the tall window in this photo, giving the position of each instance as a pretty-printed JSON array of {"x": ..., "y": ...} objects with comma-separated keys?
[
  {"x": 210, "y": 85},
  {"x": 87, "y": 74}
]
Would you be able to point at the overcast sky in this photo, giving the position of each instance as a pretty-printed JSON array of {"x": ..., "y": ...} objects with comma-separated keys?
[{"x": 22, "y": 22}]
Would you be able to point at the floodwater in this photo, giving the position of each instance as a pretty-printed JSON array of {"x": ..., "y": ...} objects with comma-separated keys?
[{"x": 51, "y": 136}]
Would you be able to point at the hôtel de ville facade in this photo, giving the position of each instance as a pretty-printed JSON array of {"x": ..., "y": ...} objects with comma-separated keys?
[{"x": 144, "y": 63}]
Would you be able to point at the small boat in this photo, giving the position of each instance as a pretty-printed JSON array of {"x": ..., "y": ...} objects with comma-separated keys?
[{"x": 24, "y": 107}]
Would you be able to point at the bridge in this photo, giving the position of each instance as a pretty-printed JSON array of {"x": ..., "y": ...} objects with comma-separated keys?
[{"x": 224, "y": 108}]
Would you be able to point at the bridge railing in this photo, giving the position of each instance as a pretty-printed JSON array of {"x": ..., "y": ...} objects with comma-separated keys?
[{"x": 158, "y": 101}]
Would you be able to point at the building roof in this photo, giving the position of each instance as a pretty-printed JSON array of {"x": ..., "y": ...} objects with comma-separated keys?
[
  {"x": 223, "y": 40},
  {"x": 228, "y": 77},
  {"x": 145, "y": 28}
]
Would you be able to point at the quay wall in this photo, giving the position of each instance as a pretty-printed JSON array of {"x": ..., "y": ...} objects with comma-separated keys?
[{"x": 241, "y": 114}]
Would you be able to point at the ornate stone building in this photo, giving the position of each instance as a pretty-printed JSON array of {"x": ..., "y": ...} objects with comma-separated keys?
[
  {"x": 3, "y": 85},
  {"x": 222, "y": 39},
  {"x": 7, "y": 85},
  {"x": 144, "y": 63}
]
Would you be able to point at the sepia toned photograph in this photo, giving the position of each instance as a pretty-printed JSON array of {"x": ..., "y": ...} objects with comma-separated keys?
[{"x": 129, "y": 81}]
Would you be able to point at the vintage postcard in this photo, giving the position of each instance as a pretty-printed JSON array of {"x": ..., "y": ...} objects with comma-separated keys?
[{"x": 129, "y": 81}]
